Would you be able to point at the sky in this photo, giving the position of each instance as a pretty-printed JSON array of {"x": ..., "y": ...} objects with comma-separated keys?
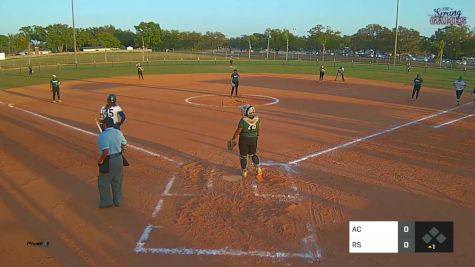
[{"x": 233, "y": 18}]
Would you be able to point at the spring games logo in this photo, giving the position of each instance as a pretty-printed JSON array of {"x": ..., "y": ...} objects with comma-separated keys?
[{"x": 447, "y": 16}]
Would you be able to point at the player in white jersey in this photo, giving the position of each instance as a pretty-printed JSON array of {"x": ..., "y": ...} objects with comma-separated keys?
[
  {"x": 459, "y": 85},
  {"x": 112, "y": 110}
]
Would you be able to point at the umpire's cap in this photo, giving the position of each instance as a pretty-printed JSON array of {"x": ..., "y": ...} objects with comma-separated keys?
[{"x": 108, "y": 122}]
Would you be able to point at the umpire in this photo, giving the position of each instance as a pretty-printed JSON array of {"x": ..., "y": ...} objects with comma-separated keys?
[{"x": 111, "y": 143}]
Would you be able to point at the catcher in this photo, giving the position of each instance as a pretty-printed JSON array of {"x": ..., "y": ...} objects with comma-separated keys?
[
  {"x": 111, "y": 109},
  {"x": 248, "y": 131}
]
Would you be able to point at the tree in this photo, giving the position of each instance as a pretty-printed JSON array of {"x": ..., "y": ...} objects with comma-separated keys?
[
  {"x": 409, "y": 41},
  {"x": 375, "y": 37},
  {"x": 59, "y": 37},
  {"x": 455, "y": 38},
  {"x": 126, "y": 38},
  {"x": 149, "y": 34},
  {"x": 4, "y": 44}
]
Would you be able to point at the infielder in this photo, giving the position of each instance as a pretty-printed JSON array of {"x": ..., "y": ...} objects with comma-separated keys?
[
  {"x": 340, "y": 71},
  {"x": 234, "y": 81},
  {"x": 139, "y": 70},
  {"x": 322, "y": 72},
  {"x": 112, "y": 110},
  {"x": 248, "y": 131},
  {"x": 459, "y": 85},
  {"x": 417, "y": 86},
  {"x": 54, "y": 86}
]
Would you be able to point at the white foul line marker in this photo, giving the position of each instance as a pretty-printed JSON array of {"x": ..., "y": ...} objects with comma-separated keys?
[
  {"x": 358, "y": 140},
  {"x": 146, "y": 151},
  {"x": 452, "y": 121},
  {"x": 157, "y": 208}
]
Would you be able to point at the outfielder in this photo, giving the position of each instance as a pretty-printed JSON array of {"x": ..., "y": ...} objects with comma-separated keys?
[
  {"x": 112, "y": 110},
  {"x": 234, "y": 81},
  {"x": 54, "y": 86},
  {"x": 248, "y": 131}
]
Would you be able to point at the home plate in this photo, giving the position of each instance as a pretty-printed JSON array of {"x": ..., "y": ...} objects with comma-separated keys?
[{"x": 232, "y": 178}]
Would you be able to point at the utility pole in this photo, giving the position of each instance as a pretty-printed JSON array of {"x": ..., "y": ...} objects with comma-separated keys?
[
  {"x": 249, "y": 49},
  {"x": 268, "y": 46},
  {"x": 287, "y": 53},
  {"x": 397, "y": 30},
  {"x": 143, "y": 49},
  {"x": 74, "y": 35}
]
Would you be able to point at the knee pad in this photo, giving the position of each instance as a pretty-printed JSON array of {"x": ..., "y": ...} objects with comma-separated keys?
[
  {"x": 255, "y": 159},
  {"x": 243, "y": 160}
]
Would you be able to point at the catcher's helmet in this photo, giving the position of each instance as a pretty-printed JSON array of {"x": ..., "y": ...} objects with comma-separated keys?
[{"x": 111, "y": 99}]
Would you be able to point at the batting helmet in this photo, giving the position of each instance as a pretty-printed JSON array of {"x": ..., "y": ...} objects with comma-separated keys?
[{"x": 111, "y": 99}]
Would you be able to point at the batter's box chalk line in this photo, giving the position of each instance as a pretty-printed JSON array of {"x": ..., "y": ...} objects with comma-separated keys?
[{"x": 140, "y": 248}]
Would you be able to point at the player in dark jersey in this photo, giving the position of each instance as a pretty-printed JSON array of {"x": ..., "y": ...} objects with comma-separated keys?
[
  {"x": 248, "y": 131},
  {"x": 54, "y": 85},
  {"x": 417, "y": 86},
  {"x": 139, "y": 70},
  {"x": 322, "y": 72},
  {"x": 473, "y": 95},
  {"x": 234, "y": 81}
]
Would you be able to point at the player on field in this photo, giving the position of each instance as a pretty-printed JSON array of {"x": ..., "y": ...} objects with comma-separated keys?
[
  {"x": 139, "y": 70},
  {"x": 473, "y": 95},
  {"x": 112, "y": 110},
  {"x": 54, "y": 86},
  {"x": 322, "y": 72},
  {"x": 340, "y": 71},
  {"x": 459, "y": 85},
  {"x": 248, "y": 131},
  {"x": 417, "y": 86},
  {"x": 234, "y": 81}
]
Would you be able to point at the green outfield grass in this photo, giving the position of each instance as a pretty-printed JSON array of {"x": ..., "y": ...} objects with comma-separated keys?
[{"x": 441, "y": 78}]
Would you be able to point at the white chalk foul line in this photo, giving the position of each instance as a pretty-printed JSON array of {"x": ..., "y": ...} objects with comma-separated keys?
[
  {"x": 453, "y": 121},
  {"x": 158, "y": 207},
  {"x": 358, "y": 140},
  {"x": 146, "y": 151},
  {"x": 169, "y": 185},
  {"x": 139, "y": 248}
]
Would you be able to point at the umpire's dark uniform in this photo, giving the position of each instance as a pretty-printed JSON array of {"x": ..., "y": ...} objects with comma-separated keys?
[{"x": 111, "y": 142}]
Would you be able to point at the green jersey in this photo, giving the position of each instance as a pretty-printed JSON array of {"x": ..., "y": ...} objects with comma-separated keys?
[
  {"x": 250, "y": 127},
  {"x": 235, "y": 77},
  {"x": 55, "y": 83}
]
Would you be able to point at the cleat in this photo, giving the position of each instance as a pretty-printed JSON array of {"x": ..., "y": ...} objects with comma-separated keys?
[
  {"x": 59, "y": 101},
  {"x": 259, "y": 175},
  {"x": 244, "y": 173}
]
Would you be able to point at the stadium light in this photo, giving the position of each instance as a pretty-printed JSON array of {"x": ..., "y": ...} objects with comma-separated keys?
[{"x": 395, "y": 40}]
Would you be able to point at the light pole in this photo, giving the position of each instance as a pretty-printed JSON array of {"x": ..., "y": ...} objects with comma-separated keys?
[
  {"x": 143, "y": 49},
  {"x": 268, "y": 46},
  {"x": 74, "y": 34},
  {"x": 395, "y": 40},
  {"x": 249, "y": 49}
]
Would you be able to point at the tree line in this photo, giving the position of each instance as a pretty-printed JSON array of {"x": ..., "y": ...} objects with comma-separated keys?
[{"x": 453, "y": 41}]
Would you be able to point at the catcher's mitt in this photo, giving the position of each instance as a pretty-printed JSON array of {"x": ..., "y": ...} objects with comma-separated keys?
[{"x": 231, "y": 144}]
